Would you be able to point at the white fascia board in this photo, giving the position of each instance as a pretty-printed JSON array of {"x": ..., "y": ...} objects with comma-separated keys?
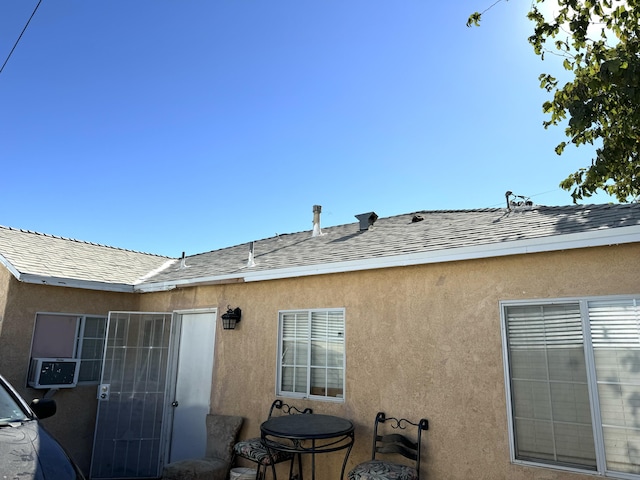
[
  {"x": 9, "y": 266},
  {"x": 572, "y": 241},
  {"x": 74, "y": 283},
  {"x": 518, "y": 247},
  {"x": 190, "y": 282}
]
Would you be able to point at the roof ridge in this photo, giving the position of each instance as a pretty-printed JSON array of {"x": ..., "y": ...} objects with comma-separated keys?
[
  {"x": 534, "y": 206},
  {"x": 450, "y": 210},
  {"x": 68, "y": 239}
]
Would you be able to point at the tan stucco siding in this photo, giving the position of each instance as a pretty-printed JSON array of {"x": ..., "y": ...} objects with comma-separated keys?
[
  {"x": 73, "y": 424},
  {"x": 421, "y": 341},
  {"x": 5, "y": 283}
]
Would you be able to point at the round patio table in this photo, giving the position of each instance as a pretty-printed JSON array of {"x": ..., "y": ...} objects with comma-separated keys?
[{"x": 310, "y": 433}]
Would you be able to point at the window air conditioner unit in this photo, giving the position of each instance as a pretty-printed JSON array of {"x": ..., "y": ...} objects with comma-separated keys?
[{"x": 54, "y": 372}]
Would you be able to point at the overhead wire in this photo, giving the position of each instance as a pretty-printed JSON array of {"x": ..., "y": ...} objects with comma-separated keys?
[{"x": 21, "y": 33}]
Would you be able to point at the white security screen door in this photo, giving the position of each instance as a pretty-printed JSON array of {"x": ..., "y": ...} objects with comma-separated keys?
[
  {"x": 129, "y": 435},
  {"x": 192, "y": 396}
]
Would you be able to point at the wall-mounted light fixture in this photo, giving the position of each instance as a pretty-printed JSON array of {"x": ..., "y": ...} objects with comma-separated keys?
[{"x": 230, "y": 318}]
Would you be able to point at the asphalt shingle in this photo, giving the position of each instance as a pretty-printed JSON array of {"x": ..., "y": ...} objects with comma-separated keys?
[
  {"x": 401, "y": 234},
  {"x": 418, "y": 232},
  {"x": 32, "y": 253}
]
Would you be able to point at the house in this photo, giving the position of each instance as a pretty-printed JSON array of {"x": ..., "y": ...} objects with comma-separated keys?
[{"x": 515, "y": 331}]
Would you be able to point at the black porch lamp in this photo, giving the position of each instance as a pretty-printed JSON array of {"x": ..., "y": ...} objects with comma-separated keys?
[{"x": 230, "y": 318}]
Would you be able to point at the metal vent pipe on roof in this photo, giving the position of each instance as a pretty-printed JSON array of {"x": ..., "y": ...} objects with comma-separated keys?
[
  {"x": 250, "y": 261},
  {"x": 317, "y": 209},
  {"x": 366, "y": 220}
]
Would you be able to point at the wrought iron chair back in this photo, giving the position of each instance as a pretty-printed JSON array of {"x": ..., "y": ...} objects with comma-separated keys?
[
  {"x": 254, "y": 450},
  {"x": 386, "y": 445},
  {"x": 286, "y": 408}
]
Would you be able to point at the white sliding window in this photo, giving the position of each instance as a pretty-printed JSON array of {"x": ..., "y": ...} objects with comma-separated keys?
[
  {"x": 574, "y": 384},
  {"x": 615, "y": 330},
  {"x": 550, "y": 396},
  {"x": 71, "y": 336}
]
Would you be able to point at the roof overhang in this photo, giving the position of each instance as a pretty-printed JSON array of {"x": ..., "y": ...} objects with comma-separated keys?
[
  {"x": 67, "y": 282},
  {"x": 75, "y": 283},
  {"x": 9, "y": 266},
  {"x": 597, "y": 238}
]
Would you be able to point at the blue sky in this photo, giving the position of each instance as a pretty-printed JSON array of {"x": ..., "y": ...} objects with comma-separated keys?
[{"x": 189, "y": 125}]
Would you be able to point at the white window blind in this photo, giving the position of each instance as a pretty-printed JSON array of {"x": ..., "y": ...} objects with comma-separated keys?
[
  {"x": 295, "y": 352},
  {"x": 549, "y": 390},
  {"x": 312, "y": 353},
  {"x": 615, "y": 332}
]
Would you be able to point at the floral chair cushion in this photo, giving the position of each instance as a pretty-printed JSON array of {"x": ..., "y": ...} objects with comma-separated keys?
[
  {"x": 254, "y": 450},
  {"x": 379, "y": 470}
]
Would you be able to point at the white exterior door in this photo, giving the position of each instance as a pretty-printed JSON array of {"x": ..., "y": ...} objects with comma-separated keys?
[{"x": 191, "y": 400}]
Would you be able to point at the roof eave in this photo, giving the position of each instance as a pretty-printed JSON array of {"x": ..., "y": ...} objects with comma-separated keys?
[
  {"x": 190, "y": 282},
  {"x": 597, "y": 238},
  {"x": 76, "y": 283},
  {"x": 9, "y": 266}
]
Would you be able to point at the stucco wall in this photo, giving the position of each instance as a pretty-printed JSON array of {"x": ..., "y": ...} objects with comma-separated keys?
[
  {"x": 420, "y": 342},
  {"x": 73, "y": 424},
  {"x": 5, "y": 282}
]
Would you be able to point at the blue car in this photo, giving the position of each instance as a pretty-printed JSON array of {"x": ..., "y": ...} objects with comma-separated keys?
[{"x": 27, "y": 450}]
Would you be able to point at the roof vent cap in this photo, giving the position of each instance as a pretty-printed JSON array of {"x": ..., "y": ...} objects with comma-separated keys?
[{"x": 366, "y": 220}]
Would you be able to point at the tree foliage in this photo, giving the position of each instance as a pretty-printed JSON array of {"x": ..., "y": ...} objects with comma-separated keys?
[{"x": 599, "y": 41}]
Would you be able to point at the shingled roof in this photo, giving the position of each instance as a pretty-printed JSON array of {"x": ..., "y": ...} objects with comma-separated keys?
[
  {"x": 46, "y": 259},
  {"x": 409, "y": 239}
]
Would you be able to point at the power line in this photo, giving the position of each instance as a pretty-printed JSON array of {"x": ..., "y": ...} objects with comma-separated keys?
[{"x": 21, "y": 33}]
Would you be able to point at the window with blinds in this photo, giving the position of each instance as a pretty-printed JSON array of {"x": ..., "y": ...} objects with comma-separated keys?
[
  {"x": 574, "y": 383},
  {"x": 615, "y": 333},
  {"x": 311, "y": 354}
]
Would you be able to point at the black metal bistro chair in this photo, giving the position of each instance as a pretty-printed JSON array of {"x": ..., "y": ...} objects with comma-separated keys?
[
  {"x": 255, "y": 451},
  {"x": 395, "y": 456}
]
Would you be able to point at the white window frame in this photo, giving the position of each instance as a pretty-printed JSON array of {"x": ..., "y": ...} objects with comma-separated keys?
[
  {"x": 309, "y": 366},
  {"x": 596, "y": 417},
  {"x": 78, "y": 341}
]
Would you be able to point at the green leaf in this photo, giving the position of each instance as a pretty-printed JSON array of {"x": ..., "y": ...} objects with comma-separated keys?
[
  {"x": 474, "y": 19},
  {"x": 560, "y": 148}
]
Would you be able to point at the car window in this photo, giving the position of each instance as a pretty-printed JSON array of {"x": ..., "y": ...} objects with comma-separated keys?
[{"x": 10, "y": 411}]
